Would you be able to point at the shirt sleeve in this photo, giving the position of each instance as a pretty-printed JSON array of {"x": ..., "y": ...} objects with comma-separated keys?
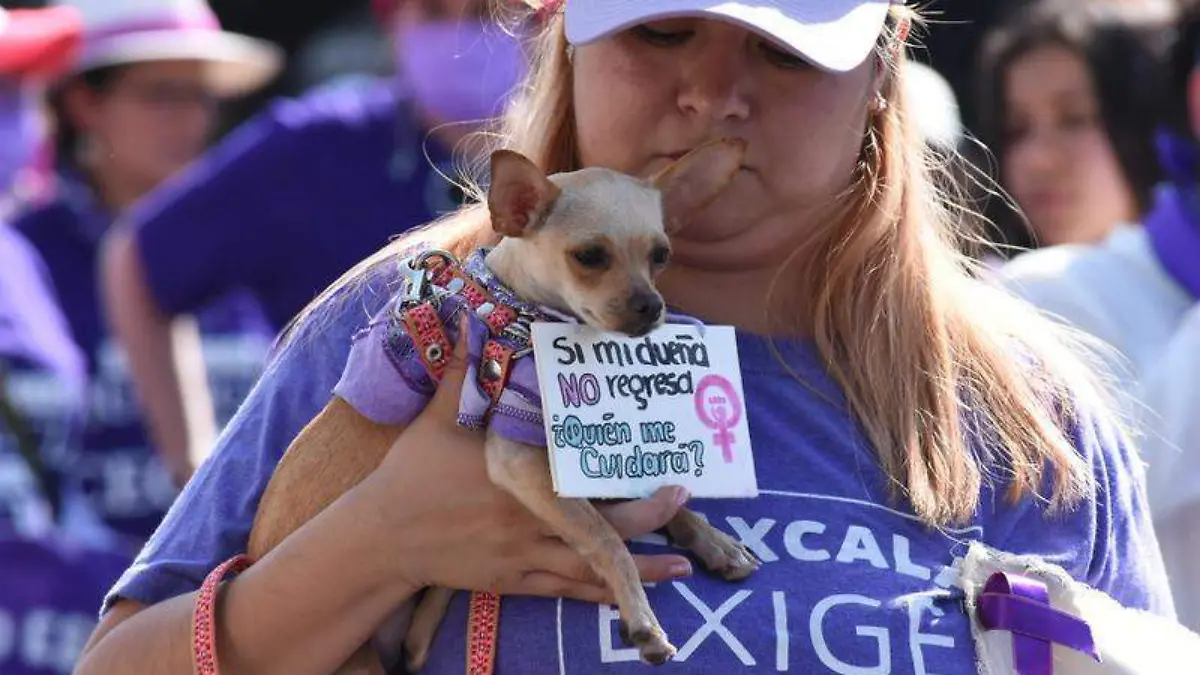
[
  {"x": 384, "y": 379},
  {"x": 1106, "y": 541},
  {"x": 216, "y": 225},
  {"x": 211, "y": 520}
]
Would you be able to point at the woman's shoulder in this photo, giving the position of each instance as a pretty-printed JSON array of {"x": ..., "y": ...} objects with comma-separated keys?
[
  {"x": 332, "y": 320},
  {"x": 32, "y": 325},
  {"x": 56, "y": 212},
  {"x": 346, "y": 108},
  {"x": 68, "y": 210},
  {"x": 1102, "y": 534}
]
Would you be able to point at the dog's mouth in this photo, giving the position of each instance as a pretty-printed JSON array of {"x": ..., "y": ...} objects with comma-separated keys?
[{"x": 634, "y": 328}]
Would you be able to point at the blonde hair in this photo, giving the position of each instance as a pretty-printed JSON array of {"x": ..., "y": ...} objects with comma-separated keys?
[{"x": 949, "y": 380}]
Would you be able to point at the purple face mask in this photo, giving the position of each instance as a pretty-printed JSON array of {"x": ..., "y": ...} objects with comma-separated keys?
[
  {"x": 21, "y": 131},
  {"x": 459, "y": 71}
]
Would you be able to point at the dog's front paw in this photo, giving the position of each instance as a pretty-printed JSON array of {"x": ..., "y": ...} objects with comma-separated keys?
[
  {"x": 724, "y": 556},
  {"x": 651, "y": 641}
]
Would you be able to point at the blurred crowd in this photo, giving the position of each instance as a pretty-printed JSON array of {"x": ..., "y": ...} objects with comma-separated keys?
[{"x": 173, "y": 192}]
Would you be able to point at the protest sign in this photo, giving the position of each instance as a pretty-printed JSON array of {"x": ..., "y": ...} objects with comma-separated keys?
[{"x": 625, "y": 416}]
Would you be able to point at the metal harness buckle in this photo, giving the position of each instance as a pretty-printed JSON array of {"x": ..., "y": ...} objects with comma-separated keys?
[{"x": 419, "y": 287}]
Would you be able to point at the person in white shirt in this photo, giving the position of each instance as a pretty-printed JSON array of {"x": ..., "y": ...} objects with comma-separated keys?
[{"x": 1137, "y": 290}]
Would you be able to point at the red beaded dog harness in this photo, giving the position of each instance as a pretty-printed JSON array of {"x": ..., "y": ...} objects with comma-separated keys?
[{"x": 430, "y": 277}]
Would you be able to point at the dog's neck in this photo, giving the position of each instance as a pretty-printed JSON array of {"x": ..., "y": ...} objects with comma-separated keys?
[{"x": 511, "y": 262}]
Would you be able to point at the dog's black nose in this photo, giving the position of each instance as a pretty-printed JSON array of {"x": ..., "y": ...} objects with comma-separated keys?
[{"x": 646, "y": 305}]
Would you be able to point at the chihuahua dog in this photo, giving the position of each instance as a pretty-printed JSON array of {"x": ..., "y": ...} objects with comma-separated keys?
[{"x": 587, "y": 243}]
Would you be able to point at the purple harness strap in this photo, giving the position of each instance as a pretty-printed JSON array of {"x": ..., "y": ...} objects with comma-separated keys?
[{"x": 1021, "y": 606}]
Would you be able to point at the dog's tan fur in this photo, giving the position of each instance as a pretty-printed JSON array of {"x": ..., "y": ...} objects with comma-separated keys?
[{"x": 546, "y": 222}]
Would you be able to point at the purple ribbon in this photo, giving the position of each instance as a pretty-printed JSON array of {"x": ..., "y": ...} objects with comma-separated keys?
[
  {"x": 1174, "y": 236},
  {"x": 1021, "y": 606},
  {"x": 1173, "y": 221},
  {"x": 1179, "y": 156}
]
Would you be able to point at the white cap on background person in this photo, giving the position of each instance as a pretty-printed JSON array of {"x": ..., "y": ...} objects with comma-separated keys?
[{"x": 119, "y": 32}]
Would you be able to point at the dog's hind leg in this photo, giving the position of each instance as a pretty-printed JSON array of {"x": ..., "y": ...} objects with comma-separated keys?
[
  {"x": 720, "y": 553},
  {"x": 524, "y": 471},
  {"x": 426, "y": 619}
]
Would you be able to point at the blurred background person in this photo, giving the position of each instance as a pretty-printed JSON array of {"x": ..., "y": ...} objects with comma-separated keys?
[
  {"x": 1137, "y": 291},
  {"x": 41, "y": 368},
  {"x": 52, "y": 579},
  {"x": 1070, "y": 92},
  {"x": 136, "y": 106},
  {"x": 296, "y": 196},
  {"x": 950, "y": 40}
]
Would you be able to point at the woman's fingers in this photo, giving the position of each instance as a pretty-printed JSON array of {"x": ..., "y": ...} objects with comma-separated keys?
[
  {"x": 550, "y": 585},
  {"x": 579, "y": 582},
  {"x": 560, "y": 560},
  {"x": 449, "y": 390},
  {"x": 640, "y": 516}
]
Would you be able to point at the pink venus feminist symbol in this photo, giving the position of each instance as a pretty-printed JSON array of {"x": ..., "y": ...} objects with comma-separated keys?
[{"x": 720, "y": 411}]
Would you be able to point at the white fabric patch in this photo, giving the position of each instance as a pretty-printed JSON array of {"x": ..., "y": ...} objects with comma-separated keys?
[{"x": 1130, "y": 642}]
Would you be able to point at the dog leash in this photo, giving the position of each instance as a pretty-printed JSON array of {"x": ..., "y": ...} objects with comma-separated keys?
[{"x": 431, "y": 278}]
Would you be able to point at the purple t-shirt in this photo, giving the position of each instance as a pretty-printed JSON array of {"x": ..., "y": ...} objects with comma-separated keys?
[
  {"x": 851, "y": 582},
  {"x": 117, "y": 467},
  {"x": 45, "y": 375},
  {"x": 291, "y": 200},
  {"x": 50, "y": 584},
  {"x": 50, "y": 587}
]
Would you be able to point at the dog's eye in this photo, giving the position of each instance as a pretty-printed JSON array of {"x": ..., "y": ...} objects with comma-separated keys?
[
  {"x": 592, "y": 257},
  {"x": 660, "y": 256}
]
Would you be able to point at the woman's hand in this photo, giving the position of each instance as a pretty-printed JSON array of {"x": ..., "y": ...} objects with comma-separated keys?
[{"x": 456, "y": 529}]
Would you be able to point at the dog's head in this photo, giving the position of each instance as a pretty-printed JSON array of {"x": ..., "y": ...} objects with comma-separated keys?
[{"x": 593, "y": 240}]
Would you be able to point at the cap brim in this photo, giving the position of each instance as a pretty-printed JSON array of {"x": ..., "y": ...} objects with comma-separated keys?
[
  {"x": 835, "y": 35},
  {"x": 237, "y": 64},
  {"x": 39, "y": 42}
]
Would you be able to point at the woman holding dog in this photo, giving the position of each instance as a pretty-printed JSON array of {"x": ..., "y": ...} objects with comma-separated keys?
[{"x": 899, "y": 410}]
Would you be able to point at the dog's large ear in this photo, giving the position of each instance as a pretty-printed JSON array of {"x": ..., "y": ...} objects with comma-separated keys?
[
  {"x": 520, "y": 195},
  {"x": 696, "y": 179}
]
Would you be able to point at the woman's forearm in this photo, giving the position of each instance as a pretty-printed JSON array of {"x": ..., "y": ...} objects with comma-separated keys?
[
  {"x": 304, "y": 608},
  {"x": 165, "y": 358}
]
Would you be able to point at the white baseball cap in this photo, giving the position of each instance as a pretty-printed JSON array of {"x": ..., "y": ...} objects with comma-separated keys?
[
  {"x": 835, "y": 35},
  {"x": 118, "y": 32}
]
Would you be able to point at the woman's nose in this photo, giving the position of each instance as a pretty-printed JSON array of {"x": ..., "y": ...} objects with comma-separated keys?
[
  {"x": 716, "y": 86},
  {"x": 1040, "y": 151}
]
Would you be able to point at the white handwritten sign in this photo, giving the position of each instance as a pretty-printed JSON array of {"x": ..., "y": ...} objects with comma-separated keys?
[{"x": 625, "y": 416}]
